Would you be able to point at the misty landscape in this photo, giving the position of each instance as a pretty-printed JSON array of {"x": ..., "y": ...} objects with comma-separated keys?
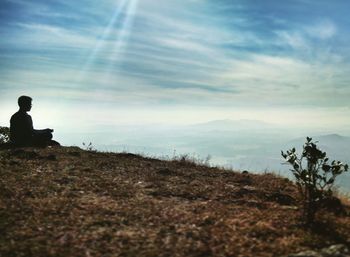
[{"x": 241, "y": 145}]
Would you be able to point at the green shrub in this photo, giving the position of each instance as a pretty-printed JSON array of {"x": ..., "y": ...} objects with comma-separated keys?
[
  {"x": 4, "y": 135},
  {"x": 314, "y": 176}
]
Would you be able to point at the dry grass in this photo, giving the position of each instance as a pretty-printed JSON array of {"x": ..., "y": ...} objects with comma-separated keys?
[
  {"x": 70, "y": 202},
  {"x": 344, "y": 198}
]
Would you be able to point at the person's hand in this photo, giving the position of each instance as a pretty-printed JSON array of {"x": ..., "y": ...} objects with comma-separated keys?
[{"x": 50, "y": 130}]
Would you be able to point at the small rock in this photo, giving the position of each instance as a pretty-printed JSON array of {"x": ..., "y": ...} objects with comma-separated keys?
[
  {"x": 332, "y": 251},
  {"x": 287, "y": 207},
  {"x": 336, "y": 251},
  {"x": 306, "y": 254}
]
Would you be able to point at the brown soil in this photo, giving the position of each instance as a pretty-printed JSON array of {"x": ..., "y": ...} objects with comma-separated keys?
[{"x": 64, "y": 201}]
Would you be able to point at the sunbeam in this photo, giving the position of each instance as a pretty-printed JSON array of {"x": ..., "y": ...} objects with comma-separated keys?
[
  {"x": 122, "y": 38},
  {"x": 102, "y": 40}
]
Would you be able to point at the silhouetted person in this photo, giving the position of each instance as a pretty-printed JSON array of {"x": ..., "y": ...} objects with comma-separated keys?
[{"x": 22, "y": 132}]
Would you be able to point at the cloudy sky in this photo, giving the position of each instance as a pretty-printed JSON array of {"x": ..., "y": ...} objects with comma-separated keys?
[{"x": 98, "y": 63}]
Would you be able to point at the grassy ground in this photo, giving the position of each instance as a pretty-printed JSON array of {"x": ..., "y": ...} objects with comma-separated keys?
[{"x": 68, "y": 202}]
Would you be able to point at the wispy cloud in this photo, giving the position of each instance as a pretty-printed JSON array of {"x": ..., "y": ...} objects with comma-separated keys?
[
  {"x": 323, "y": 30},
  {"x": 175, "y": 53}
]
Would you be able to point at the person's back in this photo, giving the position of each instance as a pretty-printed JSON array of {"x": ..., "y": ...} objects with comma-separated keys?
[{"x": 21, "y": 128}]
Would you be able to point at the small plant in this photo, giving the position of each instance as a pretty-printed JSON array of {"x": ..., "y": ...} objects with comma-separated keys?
[
  {"x": 314, "y": 176},
  {"x": 4, "y": 135},
  {"x": 193, "y": 159},
  {"x": 89, "y": 147}
]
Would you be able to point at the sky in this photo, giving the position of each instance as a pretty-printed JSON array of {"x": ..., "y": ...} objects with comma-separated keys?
[{"x": 89, "y": 65}]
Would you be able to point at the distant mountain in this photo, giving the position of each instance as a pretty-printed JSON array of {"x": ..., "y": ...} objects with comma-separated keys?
[
  {"x": 334, "y": 139},
  {"x": 329, "y": 138},
  {"x": 337, "y": 146},
  {"x": 233, "y": 125}
]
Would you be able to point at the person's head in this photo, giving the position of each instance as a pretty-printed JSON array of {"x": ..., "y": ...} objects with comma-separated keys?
[{"x": 25, "y": 103}]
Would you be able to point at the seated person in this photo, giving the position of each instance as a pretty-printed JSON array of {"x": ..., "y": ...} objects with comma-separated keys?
[{"x": 22, "y": 132}]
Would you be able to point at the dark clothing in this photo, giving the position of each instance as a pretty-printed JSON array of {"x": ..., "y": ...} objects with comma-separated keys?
[
  {"x": 22, "y": 132},
  {"x": 21, "y": 128}
]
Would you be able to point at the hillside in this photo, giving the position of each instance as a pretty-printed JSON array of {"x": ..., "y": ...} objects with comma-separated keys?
[{"x": 65, "y": 201}]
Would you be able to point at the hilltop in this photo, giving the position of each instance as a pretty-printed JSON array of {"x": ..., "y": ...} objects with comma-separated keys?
[{"x": 65, "y": 201}]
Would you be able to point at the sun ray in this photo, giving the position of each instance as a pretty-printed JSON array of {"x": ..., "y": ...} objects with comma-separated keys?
[
  {"x": 102, "y": 40},
  {"x": 122, "y": 38}
]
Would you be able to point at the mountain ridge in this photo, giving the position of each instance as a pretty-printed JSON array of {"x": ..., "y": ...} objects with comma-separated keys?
[{"x": 228, "y": 124}]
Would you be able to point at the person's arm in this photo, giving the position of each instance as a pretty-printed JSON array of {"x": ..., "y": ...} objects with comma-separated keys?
[{"x": 30, "y": 125}]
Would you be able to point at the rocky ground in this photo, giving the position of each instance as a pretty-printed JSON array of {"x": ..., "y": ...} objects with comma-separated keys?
[{"x": 64, "y": 201}]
